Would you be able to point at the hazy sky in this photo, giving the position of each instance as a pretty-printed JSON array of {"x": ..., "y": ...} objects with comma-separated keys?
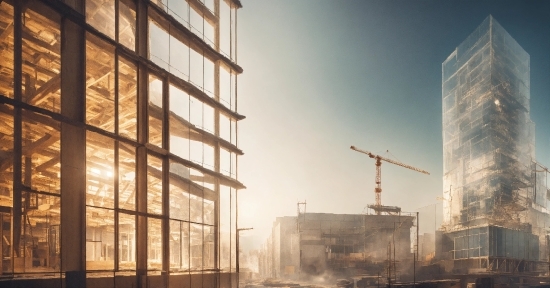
[{"x": 320, "y": 76}]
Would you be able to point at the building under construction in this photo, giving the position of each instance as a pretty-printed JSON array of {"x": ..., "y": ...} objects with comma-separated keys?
[
  {"x": 495, "y": 192},
  {"x": 338, "y": 245},
  {"x": 118, "y": 143}
]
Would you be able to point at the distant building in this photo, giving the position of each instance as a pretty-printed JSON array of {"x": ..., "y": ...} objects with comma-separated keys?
[
  {"x": 495, "y": 204},
  {"x": 118, "y": 143},
  {"x": 315, "y": 244}
]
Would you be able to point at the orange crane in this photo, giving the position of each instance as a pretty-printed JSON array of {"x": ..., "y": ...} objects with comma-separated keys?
[{"x": 378, "y": 189}]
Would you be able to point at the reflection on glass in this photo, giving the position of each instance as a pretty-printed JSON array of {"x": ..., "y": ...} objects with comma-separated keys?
[
  {"x": 208, "y": 244},
  {"x": 195, "y": 208},
  {"x": 179, "y": 198},
  {"x": 208, "y": 118},
  {"x": 196, "y": 68},
  {"x": 225, "y": 86},
  {"x": 225, "y": 229},
  {"x": 179, "y": 122},
  {"x": 196, "y": 22},
  {"x": 179, "y": 58},
  {"x": 100, "y": 239},
  {"x": 180, "y": 11},
  {"x": 208, "y": 212},
  {"x": 154, "y": 185},
  {"x": 156, "y": 114},
  {"x": 159, "y": 45},
  {"x": 196, "y": 240},
  {"x": 225, "y": 29},
  {"x": 41, "y": 51},
  {"x": 100, "y": 163}
]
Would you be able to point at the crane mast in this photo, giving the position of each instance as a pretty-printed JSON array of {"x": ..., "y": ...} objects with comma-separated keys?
[{"x": 378, "y": 180}]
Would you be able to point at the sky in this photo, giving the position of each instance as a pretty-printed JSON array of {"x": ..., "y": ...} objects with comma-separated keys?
[{"x": 320, "y": 76}]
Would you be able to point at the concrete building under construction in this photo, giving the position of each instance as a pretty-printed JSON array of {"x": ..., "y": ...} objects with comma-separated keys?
[
  {"x": 495, "y": 192},
  {"x": 118, "y": 152},
  {"x": 338, "y": 245}
]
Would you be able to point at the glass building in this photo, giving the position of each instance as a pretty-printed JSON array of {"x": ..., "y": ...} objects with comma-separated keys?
[
  {"x": 491, "y": 178},
  {"x": 118, "y": 155}
]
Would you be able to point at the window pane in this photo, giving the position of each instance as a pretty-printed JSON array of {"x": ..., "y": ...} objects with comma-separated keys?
[
  {"x": 179, "y": 125},
  {"x": 195, "y": 111},
  {"x": 208, "y": 212},
  {"x": 126, "y": 242},
  {"x": 6, "y": 182},
  {"x": 126, "y": 176},
  {"x": 225, "y": 228},
  {"x": 154, "y": 244},
  {"x": 100, "y": 161},
  {"x": 208, "y": 156},
  {"x": 175, "y": 240},
  {"x": 234, "y": 34},
  {"x": 196, "y": 69},
  {"x": 127, "y": 98},
  {"x": 154, "y": 185},
  {"x": 100, "y": 239},
  {"x": 101, "y": 15},
  {"x": 159, "y": 42},
  {"x": 196, "y": 240},
  {"x": 225, "y": 87},
  {"x": 155, "y": 111},
  {"x": 208, "y": 254},
  {"x": 42, "y": 233},
  {"x": 208, "y": 118},
  {"x": 41, "y": 143},
  {"x": 225, "y": 128},
  {"x": 41, "y": 52},
  {"x": 209, "y": 34},
  {"x": 6, "y": 58},
  {"x": 196, "y": 22},
  {"x": 100, "y": 83},
  {"x": 179, "y": 196},
  {"x": 180, "y": 11},
  {"x": 225, "y": 162},
  {"x": 233, "y": 228},
  {"x": 195, "y": 210},
  {"x": 225, "y": 29},
  {"x": 127, "y": 24},
  {"x": 179, "y": 58},
  {"x": 196, "y": 150},
  {"x": 209, "y": 77}
]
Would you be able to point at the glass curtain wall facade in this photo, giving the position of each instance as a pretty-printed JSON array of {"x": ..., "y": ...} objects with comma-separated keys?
[
  {"x": 493, "y": 187},
  {"x": 488, "y": 137},
  {"x": 118, "y": 152}
]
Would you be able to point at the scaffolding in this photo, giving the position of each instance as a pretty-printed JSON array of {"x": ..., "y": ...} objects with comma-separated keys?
[{"x": 491, "y": 178}]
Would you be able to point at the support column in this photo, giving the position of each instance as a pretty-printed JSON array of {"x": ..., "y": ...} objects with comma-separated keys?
[
  {"x": 73, "y": 155},
  {"x": 141, "y": 157},
  {"x": 17, "y": 137}
]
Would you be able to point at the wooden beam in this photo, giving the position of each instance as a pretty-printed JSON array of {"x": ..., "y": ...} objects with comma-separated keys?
[
  {"x": 53, "y": 85},
  {"x": 44, "y": 166},
  {"x": 45, "y": 141}
]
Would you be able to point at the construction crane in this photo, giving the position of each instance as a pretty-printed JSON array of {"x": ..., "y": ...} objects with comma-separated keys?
[{"x": 378, "y": 189}]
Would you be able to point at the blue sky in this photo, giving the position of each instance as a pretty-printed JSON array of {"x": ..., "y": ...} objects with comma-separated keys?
[{"x": 320, "y": 76}]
